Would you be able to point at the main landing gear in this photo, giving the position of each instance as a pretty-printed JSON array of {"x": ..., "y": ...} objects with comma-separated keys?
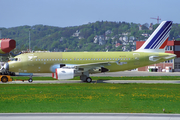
[{"x": 85, "y": 77}]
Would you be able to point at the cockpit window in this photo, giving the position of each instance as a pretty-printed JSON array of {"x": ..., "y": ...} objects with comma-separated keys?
[{"x": 14, "y": 59}]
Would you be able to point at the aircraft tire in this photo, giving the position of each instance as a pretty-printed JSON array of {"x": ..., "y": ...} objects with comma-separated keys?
[
  {"x": 88, "y": 79},
  {"x": 30, "y": 80},
  {"x": 4, "y": 79}
]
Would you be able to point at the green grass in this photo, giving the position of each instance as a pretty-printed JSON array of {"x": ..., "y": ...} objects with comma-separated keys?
[
  {"x": 101, "y": 98},
  {"x": 108, "y": 78}
]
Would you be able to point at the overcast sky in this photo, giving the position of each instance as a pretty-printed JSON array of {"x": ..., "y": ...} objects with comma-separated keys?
[{"x": 63, "y": 13}]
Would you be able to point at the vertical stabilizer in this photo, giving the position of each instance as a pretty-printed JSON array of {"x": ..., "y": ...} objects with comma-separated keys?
[{"x": 158, "y": 40}]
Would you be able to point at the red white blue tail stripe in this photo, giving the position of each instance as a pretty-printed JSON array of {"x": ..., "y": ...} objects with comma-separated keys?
[{"x": 158, "y": 40}]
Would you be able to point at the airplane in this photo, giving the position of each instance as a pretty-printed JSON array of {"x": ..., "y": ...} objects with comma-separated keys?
[{"x": 67, "y": 65}]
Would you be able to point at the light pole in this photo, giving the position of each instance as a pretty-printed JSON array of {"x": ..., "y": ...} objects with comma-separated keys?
[{"x": 29, "y": 39}]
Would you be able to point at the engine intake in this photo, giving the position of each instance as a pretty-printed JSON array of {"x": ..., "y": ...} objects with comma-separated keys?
[{"x": 64, "y": 73}]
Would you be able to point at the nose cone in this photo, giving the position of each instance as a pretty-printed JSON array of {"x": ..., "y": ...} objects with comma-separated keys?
[{"x": 6, "y": 66}]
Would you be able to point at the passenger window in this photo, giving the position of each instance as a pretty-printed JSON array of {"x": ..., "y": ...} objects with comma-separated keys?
[
  {"x": 52, "y": 59},
  {"x": 74, "y": 58},
  {"x": 55, "y": 59},
  {"x": 44, "y": 59}
]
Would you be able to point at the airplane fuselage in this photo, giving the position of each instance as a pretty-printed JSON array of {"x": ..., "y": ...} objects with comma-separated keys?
[
  {"x": 66, "y": 65},
  {"x": 47, "y": 62}
]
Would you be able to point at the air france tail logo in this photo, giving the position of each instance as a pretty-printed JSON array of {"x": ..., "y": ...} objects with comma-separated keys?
[{"x": 159, "y": 38}]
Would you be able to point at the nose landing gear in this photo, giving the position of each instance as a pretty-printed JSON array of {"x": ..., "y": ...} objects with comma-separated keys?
[{"x": 30, "y": 79}]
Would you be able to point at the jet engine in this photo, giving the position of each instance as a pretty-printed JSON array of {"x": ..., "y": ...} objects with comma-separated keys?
[{"x": 64, "y": 73}]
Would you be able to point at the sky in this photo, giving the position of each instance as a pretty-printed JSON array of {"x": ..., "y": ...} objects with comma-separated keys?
[{"x": 64, "y": 13}]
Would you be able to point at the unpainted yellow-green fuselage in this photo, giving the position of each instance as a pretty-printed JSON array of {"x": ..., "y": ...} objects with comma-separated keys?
[{"x": 42, "y": 62}]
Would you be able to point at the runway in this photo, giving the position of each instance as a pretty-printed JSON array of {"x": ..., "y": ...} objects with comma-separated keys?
[
  {"x": 87, "y": 116},
  {"x": 122, "y": 73}
]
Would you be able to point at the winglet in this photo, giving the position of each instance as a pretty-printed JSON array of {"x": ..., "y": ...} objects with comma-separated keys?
[{"x": 158, "y": 40}]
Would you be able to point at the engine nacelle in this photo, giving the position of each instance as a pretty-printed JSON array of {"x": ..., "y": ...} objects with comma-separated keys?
[{"x": 64, "y": 73}]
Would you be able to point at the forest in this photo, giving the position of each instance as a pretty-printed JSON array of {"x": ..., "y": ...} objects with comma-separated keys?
[{"x": 82, "y": 38}]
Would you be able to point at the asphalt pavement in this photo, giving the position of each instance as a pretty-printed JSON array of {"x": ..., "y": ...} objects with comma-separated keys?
[
  {"x": 87, "y": 116},
  {"x": 124, "y": 73}
]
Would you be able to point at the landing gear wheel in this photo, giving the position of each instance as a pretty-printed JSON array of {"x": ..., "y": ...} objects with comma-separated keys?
[
  {"x": 30, "y": 80},
  {"x": 88, "y": 79},
  {"x": 4, "y": 79}
]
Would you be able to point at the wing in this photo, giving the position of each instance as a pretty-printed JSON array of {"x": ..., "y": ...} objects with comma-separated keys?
[{"x": 86, "y": 67}]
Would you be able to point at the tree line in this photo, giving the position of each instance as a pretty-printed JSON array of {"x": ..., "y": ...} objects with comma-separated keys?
[{"x": 52, "y": 38}]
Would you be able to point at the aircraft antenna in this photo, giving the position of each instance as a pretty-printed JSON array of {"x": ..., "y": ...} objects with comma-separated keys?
[{"x": 157, "y": 19}]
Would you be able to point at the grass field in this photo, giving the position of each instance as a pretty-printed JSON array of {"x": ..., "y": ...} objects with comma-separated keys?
[
  {"x": 106, "y": 98},
  {"x": 108, "y": 78}
]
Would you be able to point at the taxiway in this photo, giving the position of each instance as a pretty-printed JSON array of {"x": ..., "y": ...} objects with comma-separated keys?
[
  {"x": 123, "y": 73},
  {"x": 87, "y": 116}
]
